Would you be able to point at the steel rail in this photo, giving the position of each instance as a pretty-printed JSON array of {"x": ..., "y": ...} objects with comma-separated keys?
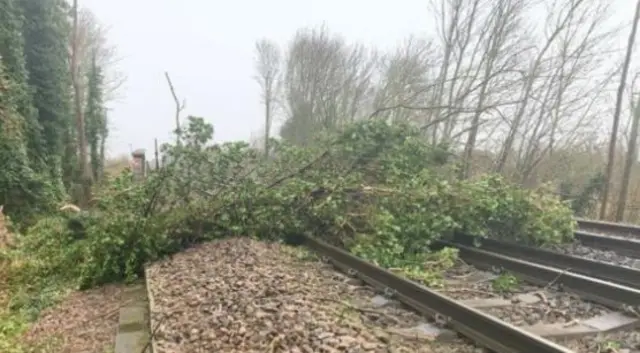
[
  {"x": 607, "y": 293},
  {"x": 617, "y": 274},
  {"x": 623, "y": 246},
  {"x": 608, "y": 226},
  {"x": 483, "y": 329}
]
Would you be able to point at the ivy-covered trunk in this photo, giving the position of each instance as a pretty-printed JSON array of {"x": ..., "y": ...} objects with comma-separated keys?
[
  {"x": 45, "y": 34},
  {"x": 96, "y": 120}
]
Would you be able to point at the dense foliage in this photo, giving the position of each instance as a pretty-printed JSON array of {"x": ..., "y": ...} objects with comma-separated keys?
[
  {"x": 39, "y": 144},
  {"x": 46, "y": 31},
  {"x": 22, "y": 189},
  {"x": 38, "y": 152},
  {"x": 374, "y": 188}
]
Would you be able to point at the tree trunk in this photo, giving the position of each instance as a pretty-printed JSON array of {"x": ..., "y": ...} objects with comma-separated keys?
[
  {"x": 616, "y": 114},
  {"x": 465, "y": 171},
  {"x": 83, "y": 160},
  {"x": 632, "y": 153},
  {"x": 267, "y": 123}
]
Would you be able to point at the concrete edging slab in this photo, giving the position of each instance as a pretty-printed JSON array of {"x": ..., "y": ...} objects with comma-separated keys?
[
  {"x": 133, "y": 324},
  {"x": 151, "y": 308}
]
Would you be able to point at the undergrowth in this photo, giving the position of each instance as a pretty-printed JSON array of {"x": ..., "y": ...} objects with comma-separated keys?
[
  {"x": 377, "y": 190},
  {"x": 504, "y": 283}
]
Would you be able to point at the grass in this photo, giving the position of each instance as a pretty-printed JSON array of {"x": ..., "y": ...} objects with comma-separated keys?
[{"x": 21, "y": 302}]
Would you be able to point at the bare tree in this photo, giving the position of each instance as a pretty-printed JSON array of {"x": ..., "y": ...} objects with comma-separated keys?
[
  {"x": 268, "y": 63},
  {"x": 92, "y": 43},
  {"x": 453, "y": 82},
  {"x": 631, "y": 157},
  {"x": 616, "y": 114},
  {"x": 403, "y": 81},
  {"x": 450, "y": 31},
  {"x": 554, "y": 94},
  {"x": 522, "y": 94},
  {"x": 500, "y": 44},
  {"x": 564, "y": 102},
  {"x": 462, "y": 29},
  {"x": 327, "y": 83},
  {"x": 106, "y": 55}
]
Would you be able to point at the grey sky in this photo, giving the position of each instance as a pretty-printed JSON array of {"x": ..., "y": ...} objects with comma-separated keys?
[{"x": 207, "y": 46}]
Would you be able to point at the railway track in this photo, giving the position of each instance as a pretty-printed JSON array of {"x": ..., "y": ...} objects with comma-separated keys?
[
  {"x": 622, "y": 238},
  {"x": 483, "y": 329},
  {"x": 628, "y": 278},
  {"x": 618, "y": 229},
  {"x": 499, "y": 336},
  {"x": 481, "y": 320}
]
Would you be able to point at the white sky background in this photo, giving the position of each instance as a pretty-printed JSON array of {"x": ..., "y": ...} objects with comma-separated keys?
[{"x": 207, "y": 46}]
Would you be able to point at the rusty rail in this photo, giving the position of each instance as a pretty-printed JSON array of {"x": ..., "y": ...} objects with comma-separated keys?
[{"x": 483, "y": 329}]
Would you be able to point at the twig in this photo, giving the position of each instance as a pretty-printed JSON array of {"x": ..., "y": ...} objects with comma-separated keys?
[
  {"x": 467, "y": 290},
  {"x": 573, "y": 322},
  {"x": 557, "y": 311},
  {"x": 466, "y": 275},
  {"x": 542, "y": 297},
  {"x": 153, "y": 334},
  {"x": 362, "y": 310},
  {"x": 273, "y": 343},
  {"x": 557, "y": 277},
  {"x": 299, "y": 171}
]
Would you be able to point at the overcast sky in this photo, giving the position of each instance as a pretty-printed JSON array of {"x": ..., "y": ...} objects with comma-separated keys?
[{"x": 207, "y": 46}]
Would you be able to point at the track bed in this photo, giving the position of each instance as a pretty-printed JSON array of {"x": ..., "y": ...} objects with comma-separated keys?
[
  {"x": 240, "y": 295},
  {"x": 591, "y": 253},
  {"x": 522, "y": 304}
]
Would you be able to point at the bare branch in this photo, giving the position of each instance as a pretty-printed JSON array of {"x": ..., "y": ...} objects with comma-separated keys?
[
  {"x": 179, "y": 106},
  {"x": 268, "y": 64}
]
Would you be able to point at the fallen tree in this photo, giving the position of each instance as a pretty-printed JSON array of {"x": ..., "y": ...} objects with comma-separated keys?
[{"x": 376, "y": 189}]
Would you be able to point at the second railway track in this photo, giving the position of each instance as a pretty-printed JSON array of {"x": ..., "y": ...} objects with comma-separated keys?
[
  {"x": 624, "y": 239},
  {"x": 610, "y": 228},
  {"x": 623, "y": 275},
  {"x": 471, "y": 317}
]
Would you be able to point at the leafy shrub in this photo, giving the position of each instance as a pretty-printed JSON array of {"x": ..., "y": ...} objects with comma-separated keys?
[
  {"x": 583, "y": 201},
  {"x": 51, "y": 245},
  {"x": 492, "y": 207}
]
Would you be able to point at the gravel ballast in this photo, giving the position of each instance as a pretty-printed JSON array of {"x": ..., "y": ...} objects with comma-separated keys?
[
  {"x": 241, "y": 295},
  {"x": 465, "y": 282},
  {"x": 610, "y": 257},
  {"x": 627, "y": 341},
  {"x": 554, "y": 307}
]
